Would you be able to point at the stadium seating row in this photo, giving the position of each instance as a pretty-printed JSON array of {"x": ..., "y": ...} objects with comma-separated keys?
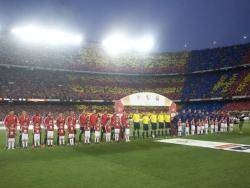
[{"x": 42, "y": 84}]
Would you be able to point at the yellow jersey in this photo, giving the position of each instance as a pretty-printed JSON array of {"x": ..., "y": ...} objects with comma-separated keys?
[
  {"x": 167, "y": 118},
  {"x": 145, "y": 119},
  {"x": 161, "y": 118},
  {"x": 136, "y": 118},
  {"x": 153, "y": 118}
]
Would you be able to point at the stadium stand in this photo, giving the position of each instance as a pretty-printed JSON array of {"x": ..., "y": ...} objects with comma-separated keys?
[
  {"x": 93, "y": 58},
  {"x": 74, "y": 74}
]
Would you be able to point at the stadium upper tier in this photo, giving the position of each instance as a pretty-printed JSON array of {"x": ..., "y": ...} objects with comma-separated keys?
[
  {"x": 93, "y": 58},
  {"x": 18, "y": 83}
]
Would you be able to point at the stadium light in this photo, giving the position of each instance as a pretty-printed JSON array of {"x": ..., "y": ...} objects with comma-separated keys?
[
  {"x": 116, "y": 43},
  {"x": 144, "y": 44},
  {"x": 42, "y": 35},
  {"x": 120, "y": 43}
]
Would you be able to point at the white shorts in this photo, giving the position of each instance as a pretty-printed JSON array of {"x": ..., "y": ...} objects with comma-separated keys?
[
  {"x": 25, "y": 136},
  {"x": 180, "y": 129},
  {"x": 87, "y": 134},
  {"x": 212, "y": 126},
  {"x": 192, "y": 128},
  {"x": 36, "y": 137},
  {"x": 61, "y": 137},
  {"x": 117, "y": 131},
  {"x": 108, "y": 134},
  {"x": 231, "y": 125},
  {"x": 206, "y": 126},
  {"x": 50, "y": 134},
  {"x": 11, "y": 139},
  {"x": 202, "y": 127},
  {"x": 187, "y": 129},
  {"x": 198, "y": 129},
  {"x": 97, "y": 133},
  {"x": 71, "y": 135},
  {"x": 127, "y": 132}
]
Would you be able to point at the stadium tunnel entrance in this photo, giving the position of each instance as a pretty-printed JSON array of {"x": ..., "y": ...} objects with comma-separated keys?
[{"x": 145, "y": 99}]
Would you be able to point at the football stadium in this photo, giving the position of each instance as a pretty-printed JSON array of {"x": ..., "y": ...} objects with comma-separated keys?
[{"x": 145, "y": 93}]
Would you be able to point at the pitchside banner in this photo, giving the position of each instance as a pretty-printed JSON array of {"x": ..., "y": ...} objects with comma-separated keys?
[
  {"x": 209, "y": 144},
  {"x": 146, "y": 99}
]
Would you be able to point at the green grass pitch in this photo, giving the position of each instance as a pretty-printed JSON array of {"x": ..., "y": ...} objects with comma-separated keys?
[{"x": 140, "y": 163}]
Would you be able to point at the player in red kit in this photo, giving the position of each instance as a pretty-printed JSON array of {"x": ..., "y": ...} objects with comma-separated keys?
[
  {"x": 49, "y": 127},
  {"x": 97, "y": 128},
  {"x": 124, "y": 123},
  {"x": 108, "y": 130},
  {"x": 117, "y": 126},
  {"x": 60, "y": 123},
  {"x": 82, "y": 122},
  {"x": 126, "y": 126},
  {"x": 104, "y": 120},
  {"x": 11, "y": 136},
  {"x": 37, "y": 121},
  {"x": 37, "y": 134},
  {"x": 87, "y": 131},
  {"x": 93, "y": 120},
  {"x": 187, "y": 128},
  {"x": 24, "y": 122},
  {"x": 71, "y": 123},
  {"x": 10, "y": 121}
]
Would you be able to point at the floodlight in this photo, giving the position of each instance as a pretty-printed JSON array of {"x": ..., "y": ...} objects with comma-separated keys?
[
  {"x": 116, "y": 43},
  {"x": 120, "y": 43},
  {"x": 144, "y": 44},
  {"x": 42, "y": 35}
]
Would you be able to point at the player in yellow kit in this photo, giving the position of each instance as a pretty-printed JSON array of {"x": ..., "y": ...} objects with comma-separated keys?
[
  {"x": 153, "y": 121},
  {"x": 167, "y": 123},
  {"x": 161, "y": 123},
  {"x": 145, "y": 123},
  {"x": 136, "y": 121}
]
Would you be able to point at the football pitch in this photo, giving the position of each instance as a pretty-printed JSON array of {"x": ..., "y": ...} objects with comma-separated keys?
[{"x": 140, "y": 163}]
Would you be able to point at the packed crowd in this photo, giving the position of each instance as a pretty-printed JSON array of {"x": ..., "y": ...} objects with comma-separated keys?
[
  {"x": 104, "y": 127},
  {"x": 94, "y": 58},
  {"x": 21, "y": 83}
]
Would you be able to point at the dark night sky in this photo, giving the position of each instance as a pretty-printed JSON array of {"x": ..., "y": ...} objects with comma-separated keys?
[{"x": 173, "y": 22}]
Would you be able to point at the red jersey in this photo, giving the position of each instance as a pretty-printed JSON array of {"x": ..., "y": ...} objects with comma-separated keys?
[
  {"x": 83, "y": 120},
  {"x": 187, "y": 124},
  {"x": 71, "y": 129},
  {"x": 87, "y": 127},
  {"x": 124, "y": 120},
  {"x": 179, "y": 123},
  {"x": 192, "y": 122},
  {"x": 117, "y": 125},
  {"x": 49, "y": 124},
  {"x": 104, "y": 119},
  {"x": 127, "y": 126},
  {"x": 97, "y": 127},
  {"x": 10, "y": 120},
  {"x": 12, "y": 132},
  {"x": 24, "y": 120},
  {"x": 25, "y": 129},
  {"x": 37, "y": 119},
  {"x": 71, "y": 121},
  {"x": 205, "y": 121},
  {"x": 93, "y": 119},
  {"x": 108, "y": 128},
  {"x": 37, "y": 129},
  {"x": 60, "y": 122},
  {"x": 113, "y": 119}
]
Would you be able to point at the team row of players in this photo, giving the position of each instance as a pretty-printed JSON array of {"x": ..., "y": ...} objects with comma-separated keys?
[{"x": 101, "y": 124}]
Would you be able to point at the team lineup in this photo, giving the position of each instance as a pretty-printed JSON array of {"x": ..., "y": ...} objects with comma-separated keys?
[{"x": 104, "y": 127}]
